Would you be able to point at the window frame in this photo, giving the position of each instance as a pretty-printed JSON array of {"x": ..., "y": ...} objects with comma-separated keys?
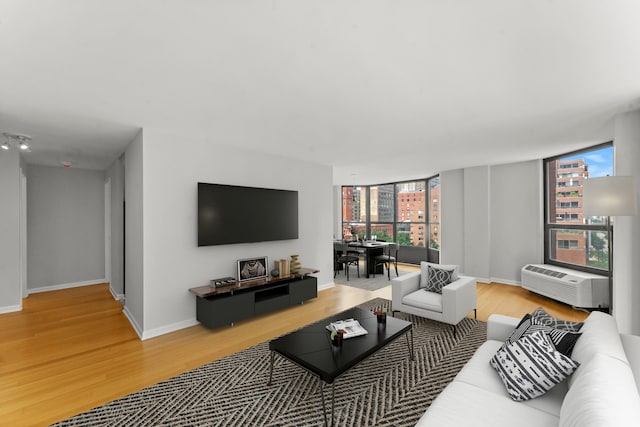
[
  {"x": 558, "y": 225},
  {"x": 395, "y": 224}
]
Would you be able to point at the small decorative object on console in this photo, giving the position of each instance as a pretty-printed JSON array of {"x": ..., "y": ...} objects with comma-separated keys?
[
  {"x": 285, "y": 266},
  {"x": 295, "y": 265},
  {"x": 252, "y": 268},
  {"x": 223, "y": 281}
]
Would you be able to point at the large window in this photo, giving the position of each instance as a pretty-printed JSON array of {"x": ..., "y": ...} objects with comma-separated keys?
[
  {"x": 404, "y": 212},
  {"x": 354, "y": 212},
  {"x": 411, "y": 221},
  {"x": 571, "y": 239},
  {"x": 382, "y": 211},
  {"x": 434, "y": 213}
]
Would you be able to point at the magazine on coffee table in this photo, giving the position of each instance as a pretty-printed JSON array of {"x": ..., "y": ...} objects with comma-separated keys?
[{"x": 351, "y": 327}]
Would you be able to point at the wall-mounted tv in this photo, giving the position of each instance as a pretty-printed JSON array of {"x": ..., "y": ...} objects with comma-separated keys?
[{"x": 230, "y": 214}]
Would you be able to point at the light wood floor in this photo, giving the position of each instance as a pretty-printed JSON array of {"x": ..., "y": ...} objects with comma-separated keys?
[{"x": 71, "y": 350}]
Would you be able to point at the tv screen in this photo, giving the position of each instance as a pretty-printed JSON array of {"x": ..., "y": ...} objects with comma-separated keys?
[{"x": 233, "y": 214}]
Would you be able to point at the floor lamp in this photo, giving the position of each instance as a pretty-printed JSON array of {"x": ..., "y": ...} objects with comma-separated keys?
[{"x": 609, "y": 196}]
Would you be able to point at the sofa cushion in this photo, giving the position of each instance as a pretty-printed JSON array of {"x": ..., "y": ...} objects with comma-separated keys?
[
  {"x": 604, "y": 394},
  {"x": 424, "y": 271},
  {"x": 479, "y": 372},
  {"x": 563, "y": 341},
  {"x": 462, "y": 404},
  {"x": 438, "y": 278},
  {"x": 531, "y": 366},
  {"x": 543, "y": 318},
  {"x": 426, "y": 300}
]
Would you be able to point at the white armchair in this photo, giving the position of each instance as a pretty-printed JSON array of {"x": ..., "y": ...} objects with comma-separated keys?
[{"x": 456, "y": 301}]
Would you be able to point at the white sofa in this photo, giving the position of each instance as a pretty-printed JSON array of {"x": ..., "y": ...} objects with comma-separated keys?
[
  {"x": 457, "y": 300},
  {"x": 603, "y": 391}
]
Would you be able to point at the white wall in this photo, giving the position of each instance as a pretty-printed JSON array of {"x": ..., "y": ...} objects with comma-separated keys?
[
  {"x": 10, "y": 291},
  {"x": 626, "y": 231},
  {"x": 491, "y": 219},
  {"x": 65, "y": 227},
  {"x": 173, "y": 263}
]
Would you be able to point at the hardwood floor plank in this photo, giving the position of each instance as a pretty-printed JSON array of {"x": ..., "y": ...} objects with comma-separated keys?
[{"x": 73, "y": 349}]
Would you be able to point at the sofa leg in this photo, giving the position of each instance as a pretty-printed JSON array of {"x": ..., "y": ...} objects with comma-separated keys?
[
  {"x": 455, "y": 329},
  {"x": 475, "y": 313}
]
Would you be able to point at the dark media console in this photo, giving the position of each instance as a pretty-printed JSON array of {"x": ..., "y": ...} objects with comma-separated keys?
[{"x": 218, "y": 306}]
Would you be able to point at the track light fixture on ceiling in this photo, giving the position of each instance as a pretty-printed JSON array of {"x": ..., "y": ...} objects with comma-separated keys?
[{"x": 21, "y": 141}]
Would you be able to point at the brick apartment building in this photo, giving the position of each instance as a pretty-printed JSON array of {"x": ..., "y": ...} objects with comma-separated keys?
[{"x": 567, "y": 177}]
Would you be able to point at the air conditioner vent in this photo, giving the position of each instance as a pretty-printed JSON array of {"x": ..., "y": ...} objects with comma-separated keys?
[
  {"x": 572, "y": 287},
  {"x": 545, "y": 271}
]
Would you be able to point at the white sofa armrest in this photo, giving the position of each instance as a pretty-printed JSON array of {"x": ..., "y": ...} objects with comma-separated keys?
[
  {"x": 631, "y": 345},
  {"x": 403, "y": 285},
  {"x": 500, "y": 327},
  {"x": 458, "y": 299}
]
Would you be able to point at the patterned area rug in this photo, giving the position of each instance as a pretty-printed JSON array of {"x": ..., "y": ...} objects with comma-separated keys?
[
  {"x": 370, "y": 284},
  {"x": 387, "y": 389}
]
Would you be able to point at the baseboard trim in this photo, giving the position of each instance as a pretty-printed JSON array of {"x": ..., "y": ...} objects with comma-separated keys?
[
  {"x": 326, "y": 286},
  {"x": 152, "y": 333},
  {"x": 506, "y": 281},
  {"x": 10, "y": 309},
  {"x": 67, "y": 285},
  {"x": 116, "y": 296},
  {"x": 132, "y": 321}
]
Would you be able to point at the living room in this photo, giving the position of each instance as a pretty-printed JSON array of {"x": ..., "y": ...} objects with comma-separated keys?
[{"x": 160, "y": 154}]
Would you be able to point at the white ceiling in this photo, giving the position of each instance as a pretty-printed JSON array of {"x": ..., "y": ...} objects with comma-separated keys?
[{"x": 381, "y": 90}]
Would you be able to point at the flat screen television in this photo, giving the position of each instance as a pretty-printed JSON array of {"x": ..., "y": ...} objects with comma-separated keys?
[{"x": 229, "y": 214}]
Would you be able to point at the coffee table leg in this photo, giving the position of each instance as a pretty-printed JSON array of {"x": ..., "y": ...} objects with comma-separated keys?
[
  {"x": 333, "y": 401},
  {"x": 410, "y": 345},
  {"x": 324, "y": 408},
  {"x": 273, "y": 355}
]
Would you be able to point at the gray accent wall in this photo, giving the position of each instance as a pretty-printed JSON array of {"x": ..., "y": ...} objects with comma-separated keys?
[
  {"x": 516, "y": 212},
  {"x": 452, "y": 207},
  {"x": 116, "y": 174},
  {"x": 65, "y": 227},
  {"x": 10, "y": 292},
  {"x": 133, "y": 241},
  {"x": 492, "y": 219}
]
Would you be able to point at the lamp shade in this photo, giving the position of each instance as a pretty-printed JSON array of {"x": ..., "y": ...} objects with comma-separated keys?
[{"x": 609, "y": 196}]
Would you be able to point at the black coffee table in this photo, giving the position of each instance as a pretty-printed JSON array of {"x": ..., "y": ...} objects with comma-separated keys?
[{"x": 311, "y": 347}]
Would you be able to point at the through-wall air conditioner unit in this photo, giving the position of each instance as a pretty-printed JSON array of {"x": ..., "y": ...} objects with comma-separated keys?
[{"x": 572, "y": 287}]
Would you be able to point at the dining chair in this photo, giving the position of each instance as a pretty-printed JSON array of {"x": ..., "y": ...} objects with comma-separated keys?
[
  {"x": 388, "y": 257},
  {"x": 341, "y": 256}
]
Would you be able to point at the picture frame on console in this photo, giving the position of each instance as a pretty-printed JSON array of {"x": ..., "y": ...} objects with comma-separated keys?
[{"x": 252, "y": 268}]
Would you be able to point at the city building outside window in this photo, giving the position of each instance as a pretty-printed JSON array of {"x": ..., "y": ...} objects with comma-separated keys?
[
  {"x": 571, "y": 239},
  {"x": 404, "y": 212}
]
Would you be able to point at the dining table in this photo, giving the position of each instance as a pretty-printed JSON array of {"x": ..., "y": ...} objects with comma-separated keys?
[{"x": 371, "y": 248}]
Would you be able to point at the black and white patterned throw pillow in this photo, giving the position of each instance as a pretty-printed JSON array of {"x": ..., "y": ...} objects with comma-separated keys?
[
  {"x": 531, "y": 366},
  {"x": 541, "y": 317},
  {"x": 563, "y": 341},
  {"x": 438, "y": 278}
]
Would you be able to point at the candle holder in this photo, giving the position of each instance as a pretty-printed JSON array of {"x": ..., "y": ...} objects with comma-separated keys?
[
  {"x": 382, "y": 316},
  {"x": 336, "y": 339}
]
